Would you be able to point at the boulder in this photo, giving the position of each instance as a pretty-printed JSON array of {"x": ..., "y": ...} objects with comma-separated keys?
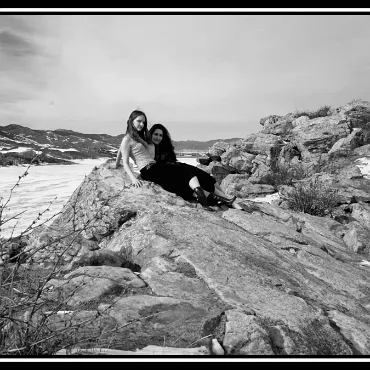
[
  {"x": 357, "y": 237},
  {"x": 240, "y": 186},
  {"x": 204, "y": 160},
  {"x": 237, "y": 160},
  {"x": 266, "y": 144},
  {"x": 271, "y": 119},
  {"x": 344, "y": 146},
  {"x": 361, "y": 212},
  {"x": 289, "y": 152},
  {"x": 357, "y": 112},
  {"x": 217, "y": 149},
  {"x": 90, "y": 283},
  {"x": 318, "y": 135},
  {"x": 261, "y": 169},
  {"x": 281, "y": 126},
  {"x": 363, "y": 150},
  {"x": 218, "y": 171},
  {"x": 239, "y": 156},
  {"x": 301, "y": 120}
]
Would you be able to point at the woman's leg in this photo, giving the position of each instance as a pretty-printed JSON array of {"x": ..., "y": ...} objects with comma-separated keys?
[
  {"x": 199, "y": 193},
  {"x": 181, "y": 180},
  {"x": 218, "y": 191},
  {"x": 194, "y": 183},
  {"x": 237, "y": 206}
]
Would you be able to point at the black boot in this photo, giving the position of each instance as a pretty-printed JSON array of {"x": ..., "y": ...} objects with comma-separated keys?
[
  {"x": 218, "y": 200},
  {"x": 212, "y": 201},
  {"x": 201, "y": 197}
]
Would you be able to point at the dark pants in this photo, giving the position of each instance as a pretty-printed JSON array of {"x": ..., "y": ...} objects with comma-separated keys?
[{"x": 175, "y": 177}]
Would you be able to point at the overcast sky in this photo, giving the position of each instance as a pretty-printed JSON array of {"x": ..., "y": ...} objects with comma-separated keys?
[{"x": 203, "y": 76}]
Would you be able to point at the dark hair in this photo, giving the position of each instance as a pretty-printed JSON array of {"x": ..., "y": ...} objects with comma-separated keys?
[
  {"x": 166, "y": 143},
  {"x": 135, "y": 134},
  {"x": 165, "y": 147}
]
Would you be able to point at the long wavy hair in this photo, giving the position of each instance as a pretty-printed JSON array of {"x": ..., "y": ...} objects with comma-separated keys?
[
  {"x": 166, "y": 143},
  {"x": 165, "y": 146},
  {"x": 139, "y": 136}
]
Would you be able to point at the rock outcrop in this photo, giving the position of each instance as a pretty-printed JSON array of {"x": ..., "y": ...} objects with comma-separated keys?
[
  {"x": 308, "y": 139},
  {"x": 147, "y": 269},
  {"x": 263, "y": 281}
]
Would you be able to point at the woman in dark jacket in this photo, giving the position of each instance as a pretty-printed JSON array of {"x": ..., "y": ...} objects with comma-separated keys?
[
  {"x": 164, "y": 149},
  {"x": 165, "y": 153}
]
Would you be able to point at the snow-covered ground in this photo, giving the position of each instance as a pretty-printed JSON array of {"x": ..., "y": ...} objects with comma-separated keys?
[
  {"x": 65, "y": 150},
  {"x": 268, "y": 198},
  {"x": 20, "y": 149},
  {"x": 39, "y": 188}
]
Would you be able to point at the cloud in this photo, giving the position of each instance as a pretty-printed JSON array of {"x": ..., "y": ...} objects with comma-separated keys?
[
  {"x": 207, "y": 70},
  {"x": 15, "y": 45}
]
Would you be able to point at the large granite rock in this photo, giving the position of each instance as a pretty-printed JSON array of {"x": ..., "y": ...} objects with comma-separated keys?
[
  {"x": 357, "y": 112},
  {"x": 218, "y": 171},
  {"x": 240, "y": 156},
  {"x": 277, "y": 125},
  {"x": 362, "y": 151},
  {"x": 217, "y": 149},
  {"x": 318, "y": 135},
  {"x": 345, "y": 145},
  {"x": 263, "y": 281},
  {"x": 239, "y": 185},
  {"x": 237, "y": 160}
]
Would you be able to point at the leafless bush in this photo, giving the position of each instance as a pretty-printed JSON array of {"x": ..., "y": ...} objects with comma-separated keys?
[
  {"x": 321, "y": 112},
  {"x": 28, "y": 315},
  {"x": 286, "y": 174},
  {"x": 312, "y": 197}
]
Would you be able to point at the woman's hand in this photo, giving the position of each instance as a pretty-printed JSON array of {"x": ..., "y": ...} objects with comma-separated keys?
[{"x": 137, "y": 183}]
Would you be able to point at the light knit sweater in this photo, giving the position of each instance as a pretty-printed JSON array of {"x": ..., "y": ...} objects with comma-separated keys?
[{"x": 140, "y": 155}]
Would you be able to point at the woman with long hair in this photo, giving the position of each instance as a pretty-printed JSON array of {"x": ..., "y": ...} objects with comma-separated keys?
[
  {"x": 165, "y": 153},
  {"x": 164, "y": 149}
]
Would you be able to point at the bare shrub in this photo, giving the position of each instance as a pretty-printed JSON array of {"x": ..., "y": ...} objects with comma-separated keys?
[
  {"x": 286, "y": 174},
  {"x": 321, "y": 112},
  {"x": 29, "y": 316},
  {"x": 312, "y": 197}
]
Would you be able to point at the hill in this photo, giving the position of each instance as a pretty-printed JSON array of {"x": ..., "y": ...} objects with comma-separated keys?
[{"x": 19, "y": 144}]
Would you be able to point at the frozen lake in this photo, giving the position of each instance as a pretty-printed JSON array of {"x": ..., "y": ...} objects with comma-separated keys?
[{"x": 40, "y": 187}]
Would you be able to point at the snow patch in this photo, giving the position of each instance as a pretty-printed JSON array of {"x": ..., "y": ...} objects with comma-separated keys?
[
  {"x": 268, "y": 198},
  {"x": 20, "y": 149},
  {"x": 364, "y": 166},
  {"x": 65, "y": 150}
]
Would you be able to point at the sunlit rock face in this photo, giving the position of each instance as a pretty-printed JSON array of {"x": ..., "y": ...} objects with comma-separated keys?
[
  {"x": 263, "y": 280},
  {"x": 310, "y": 138}
]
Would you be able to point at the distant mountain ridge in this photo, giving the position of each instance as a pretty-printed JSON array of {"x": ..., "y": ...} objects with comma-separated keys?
[
  {"x": 199, "y": 145},
  {"x": 18, "y": 144}
]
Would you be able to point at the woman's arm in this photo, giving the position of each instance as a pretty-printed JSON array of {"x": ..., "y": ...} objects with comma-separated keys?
[
  {"x": 125, "y": 152},
  {"x": 118, "y": 158},
  {"x": 151, "y": 149}
]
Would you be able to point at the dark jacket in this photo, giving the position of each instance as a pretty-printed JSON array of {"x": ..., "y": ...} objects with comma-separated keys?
[{"x": 164, "y": 157}]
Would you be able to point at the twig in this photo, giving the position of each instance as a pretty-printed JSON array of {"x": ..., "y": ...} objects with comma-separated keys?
[{"x": 199, "y": 340}]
